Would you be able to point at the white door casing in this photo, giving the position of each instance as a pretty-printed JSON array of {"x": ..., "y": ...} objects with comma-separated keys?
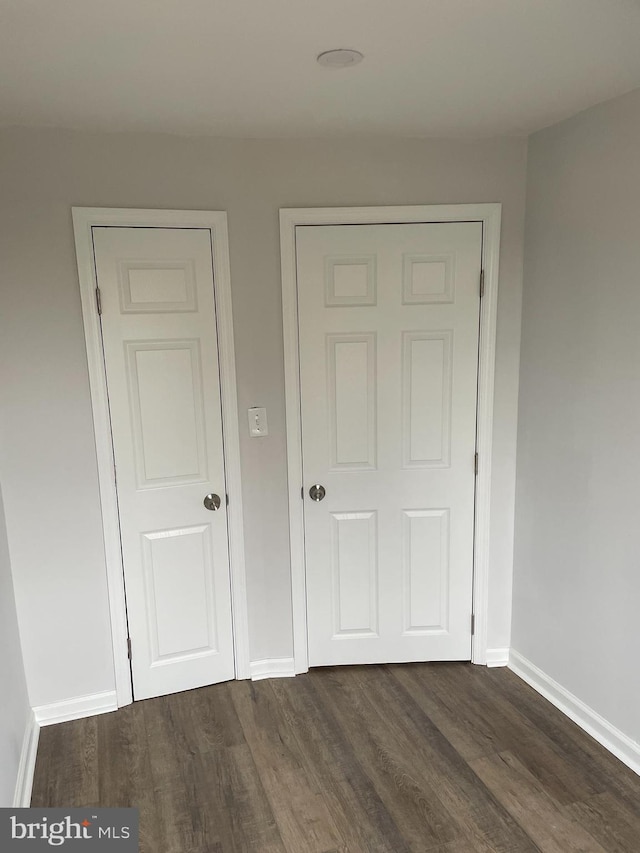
[
  {"x": 388, "y": 318},
  {"x": 484, "y": 217},
  {"x": 182, "y": 564}
]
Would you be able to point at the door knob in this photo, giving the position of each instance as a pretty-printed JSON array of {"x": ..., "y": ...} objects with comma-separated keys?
[
  {"x": 212, "y": 502},
  {"x": 317, "y": 492}
]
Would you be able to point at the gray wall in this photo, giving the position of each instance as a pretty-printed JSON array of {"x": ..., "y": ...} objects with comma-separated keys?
[
  {"x": 57, "y": 549},
  {"x": 14, "y": 705},
  {"x": 577, "y": 552}
]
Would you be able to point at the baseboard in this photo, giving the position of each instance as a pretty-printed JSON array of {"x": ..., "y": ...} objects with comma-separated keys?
[
  {"x": 272, "y": 668},
  {"x": 27, "y": 765},
  {"x": 617, "y": 742},
  {"x": 75, "y": 709},
  {"x": 497, "y": 657}
]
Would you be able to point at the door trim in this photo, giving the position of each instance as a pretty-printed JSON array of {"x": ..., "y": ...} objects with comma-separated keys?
[
  {"x": 490, "y": 217},
  {"x": 84, "y": 219}
]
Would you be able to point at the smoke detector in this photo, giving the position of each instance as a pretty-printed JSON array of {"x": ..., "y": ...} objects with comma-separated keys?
[{"x": 342, "y": 57}]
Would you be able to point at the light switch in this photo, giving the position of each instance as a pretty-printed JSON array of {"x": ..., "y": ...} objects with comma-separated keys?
[{"x": 258, "y": 422}]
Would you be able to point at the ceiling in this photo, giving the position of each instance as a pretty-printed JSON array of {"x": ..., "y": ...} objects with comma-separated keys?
[{"x": 246, "y": 68}]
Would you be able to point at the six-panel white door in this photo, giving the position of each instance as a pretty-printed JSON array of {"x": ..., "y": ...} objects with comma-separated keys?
[
  {"x": 389, "y": 324},
  {"x": 161, "y": 358}
]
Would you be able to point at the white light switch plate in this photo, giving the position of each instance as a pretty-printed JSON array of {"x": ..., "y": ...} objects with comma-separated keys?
[{"x": 258, "y": 422}]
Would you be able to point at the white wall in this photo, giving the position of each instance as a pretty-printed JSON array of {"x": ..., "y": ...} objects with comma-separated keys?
[
  {"x": 51, "y": 494},
  {"x": 15, "y": 711},
  {"x": 577, "y": 550}
]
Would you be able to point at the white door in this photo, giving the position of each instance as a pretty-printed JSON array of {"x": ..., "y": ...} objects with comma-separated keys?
[
  {"x": 161, "y": 358},
  {"x": 389, "y": 324}
]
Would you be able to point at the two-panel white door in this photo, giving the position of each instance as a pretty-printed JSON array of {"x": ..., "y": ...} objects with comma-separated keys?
[
  {"x": 161, "y": 358},
  {"x": 388, "y": 326}
]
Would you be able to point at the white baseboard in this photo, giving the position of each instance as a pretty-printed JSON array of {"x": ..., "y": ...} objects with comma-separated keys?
[
  {"x": 497, "y": 657},
  {"x": 27, "y": 765},
  {"x": 75, "y": 709},
  {"x": 617, "y": 742},
  {"x": 272, "y": 668}
]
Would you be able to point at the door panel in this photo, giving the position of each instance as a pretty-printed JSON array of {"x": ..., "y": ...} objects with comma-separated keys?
[
  {"x": 352, "y": 401},
  {"x": 425, "y": 553},
  {"x": 388, "y": 322},
  {"x": 167, "y": 411},
  {"x": 355, "y": 565},
  {"x": 426, "y": 402},
  {"x": 178, "y": 570},
  {"x": 160, "y": 348}
]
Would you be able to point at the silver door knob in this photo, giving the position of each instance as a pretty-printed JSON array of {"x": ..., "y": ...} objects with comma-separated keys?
[
  {"x": 212, "y": 502},
  {"x": 317, "y": 492}
]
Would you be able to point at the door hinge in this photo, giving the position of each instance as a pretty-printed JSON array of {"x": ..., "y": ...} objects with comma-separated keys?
[
  {"x": 475, "y": 464},
  {"x": 302, "y": 492},
  {"x": 227, "y": 499},
  {"x": 481, "y": 283},
  {"x": 98, "y": 300},
  {"x": 473, "y": 624},
  {"x": 129, "y": 647}
]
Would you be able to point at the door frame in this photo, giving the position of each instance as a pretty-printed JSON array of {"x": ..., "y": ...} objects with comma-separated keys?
[
  {"x": 490, "y": 217},
  {"x": 84, "y": 219}
]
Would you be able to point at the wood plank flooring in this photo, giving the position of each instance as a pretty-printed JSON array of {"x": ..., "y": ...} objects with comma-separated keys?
[{"x": 413, "y": 758}]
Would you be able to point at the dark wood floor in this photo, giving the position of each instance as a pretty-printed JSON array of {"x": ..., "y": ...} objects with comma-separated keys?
[{"x": 445, "y": 758}]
